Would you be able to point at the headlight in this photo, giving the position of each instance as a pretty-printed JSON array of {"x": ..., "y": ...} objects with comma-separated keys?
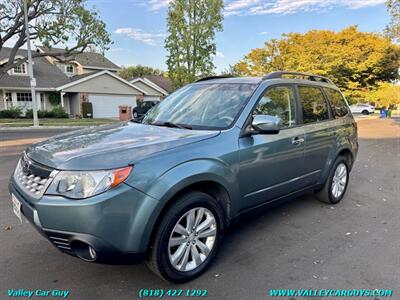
[{"x": 84, "y": 184}]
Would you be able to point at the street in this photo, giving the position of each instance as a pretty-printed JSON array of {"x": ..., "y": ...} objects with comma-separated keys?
[{"x": 302, "y": 244}]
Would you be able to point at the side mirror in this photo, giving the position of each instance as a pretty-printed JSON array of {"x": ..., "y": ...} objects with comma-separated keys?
[{"x": 265, "y": 124}]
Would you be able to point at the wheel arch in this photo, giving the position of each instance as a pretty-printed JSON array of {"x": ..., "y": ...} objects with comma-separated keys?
[
  {"x": 210, "y": 176},
  {"x": 213, "y": 188},
  {"x": 344, "y": 151}
]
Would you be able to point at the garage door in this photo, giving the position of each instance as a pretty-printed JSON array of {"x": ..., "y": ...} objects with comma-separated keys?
[{"x": 106, "y": 106}]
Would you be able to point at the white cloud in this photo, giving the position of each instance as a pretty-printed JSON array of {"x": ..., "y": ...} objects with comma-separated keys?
[
  {"x": 261, "y": 7},
  {"x": 158, "y": 4},
  {"x": 152, "y": 39},
  {"x": 263, "y": 32},
  {"x": 240, "y": 4}
]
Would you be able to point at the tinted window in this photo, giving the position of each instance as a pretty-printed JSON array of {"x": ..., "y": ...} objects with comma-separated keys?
[
  {"x": 338, "y": 103},
  {"x": 202, "y": 106},
  {"x": 313, "y": 104},
  {"x": 278, "y": 102}
]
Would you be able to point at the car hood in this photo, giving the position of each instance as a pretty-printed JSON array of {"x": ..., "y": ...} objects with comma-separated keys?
[{"x": 111, "y": 146}]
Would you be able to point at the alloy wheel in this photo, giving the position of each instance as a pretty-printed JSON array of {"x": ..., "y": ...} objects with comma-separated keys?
[
  {"x": 339, "y": 180},
  {"x": 192, "y": 239}
]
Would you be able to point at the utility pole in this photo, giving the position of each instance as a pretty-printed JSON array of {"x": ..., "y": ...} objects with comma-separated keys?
[{"x": 30, "y": 66}]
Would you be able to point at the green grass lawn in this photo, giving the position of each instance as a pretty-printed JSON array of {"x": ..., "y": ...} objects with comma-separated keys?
[{"x": 55, "y": 122}]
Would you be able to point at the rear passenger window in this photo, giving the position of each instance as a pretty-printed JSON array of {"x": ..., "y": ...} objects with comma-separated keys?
[
  {"x": 338, "y": 103},
  {"x": 313, "y": 104}
]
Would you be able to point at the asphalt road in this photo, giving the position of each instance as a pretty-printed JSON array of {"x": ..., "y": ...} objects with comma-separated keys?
[{"x": 302, "y": 244}]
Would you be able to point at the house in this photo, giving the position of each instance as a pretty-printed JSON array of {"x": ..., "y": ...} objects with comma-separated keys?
[
  {"x": 87, "y": 76},
  {"x": 156, "y": 87}
]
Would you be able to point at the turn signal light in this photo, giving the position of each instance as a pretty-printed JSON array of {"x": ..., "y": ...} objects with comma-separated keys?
[{"x": 120, "y": 175}]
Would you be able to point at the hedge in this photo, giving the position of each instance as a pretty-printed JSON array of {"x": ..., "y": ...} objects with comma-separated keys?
[{"x": 15, "y": 112}]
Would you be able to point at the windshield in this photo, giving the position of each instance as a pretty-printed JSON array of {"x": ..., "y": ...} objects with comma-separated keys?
[{"x": 202, "y": 106}]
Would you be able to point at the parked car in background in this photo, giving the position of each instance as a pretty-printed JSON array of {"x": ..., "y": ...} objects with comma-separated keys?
[
  {"x": 143, "y": 107},
  {"x": 362, "y": 108},
  {"x": 167, "y": 188}
]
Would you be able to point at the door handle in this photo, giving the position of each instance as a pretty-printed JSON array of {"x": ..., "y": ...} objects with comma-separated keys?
[{"x": 297, "y": 141}]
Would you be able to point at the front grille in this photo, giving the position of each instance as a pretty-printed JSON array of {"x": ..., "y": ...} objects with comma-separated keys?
[{"x": 33, "y": 177}]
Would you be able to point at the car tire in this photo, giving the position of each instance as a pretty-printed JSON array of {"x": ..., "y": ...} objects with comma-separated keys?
[
  {"x": 135, "y": 114},
  {"x": 365, "y": 112},
  {"x": 163, "y": 256},
  {"x": 335, "y": 186}
]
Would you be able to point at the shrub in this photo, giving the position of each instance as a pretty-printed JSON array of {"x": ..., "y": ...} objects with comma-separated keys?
[
  {"x": 55, "y": 99},
  {"x": 59, "y": 112},
  {"x": 11, "y": 113},
  {"x": 56, "y": 112},
  {"x": 29, "y": 113},
  {"x": 41, "y": 114}
]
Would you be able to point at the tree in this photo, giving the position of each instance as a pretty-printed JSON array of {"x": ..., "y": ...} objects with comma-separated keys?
[
  {"x": 386, "y": 94},
  {"x": 393, "y": 29},
  {"x": 192, "y": 25},
  {"x": 138, "y": 71},
  {"x": 356, "y": 61},
  {"x": 51, "y": 23}
]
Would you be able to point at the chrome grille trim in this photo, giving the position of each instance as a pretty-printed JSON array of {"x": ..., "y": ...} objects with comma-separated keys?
[{"x": 29, "y": 180}]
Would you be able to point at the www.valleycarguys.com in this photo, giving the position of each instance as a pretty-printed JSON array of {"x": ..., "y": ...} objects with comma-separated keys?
[{"x": 331, "y": 293}]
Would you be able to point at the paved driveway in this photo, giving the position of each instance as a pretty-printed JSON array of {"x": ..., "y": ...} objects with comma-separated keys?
[{"x": 301, "y": 244}]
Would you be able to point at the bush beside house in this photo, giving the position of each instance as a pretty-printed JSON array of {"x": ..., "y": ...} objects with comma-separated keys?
[{"x": 15, "y": 113}]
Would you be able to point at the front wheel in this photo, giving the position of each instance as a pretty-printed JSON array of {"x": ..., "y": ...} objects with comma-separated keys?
[
  {"x": 187, "y": 238},
  {"x": 336, "y": 185}
]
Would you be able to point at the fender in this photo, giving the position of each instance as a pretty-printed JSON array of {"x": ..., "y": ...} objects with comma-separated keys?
[
  {"x": 343, "y": 144},
  {"x": 186, "y": 174}
]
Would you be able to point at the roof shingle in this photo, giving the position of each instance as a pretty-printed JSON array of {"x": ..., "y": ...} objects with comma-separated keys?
[
  {"x": 163, "y": 82},
  {"x": 86, "y": 59},
  {"x": 47, "y": 76}
]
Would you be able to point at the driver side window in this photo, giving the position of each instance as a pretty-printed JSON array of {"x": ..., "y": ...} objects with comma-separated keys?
[{"x": 278, "y": 102}]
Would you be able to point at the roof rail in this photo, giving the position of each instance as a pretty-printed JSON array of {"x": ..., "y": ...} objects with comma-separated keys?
[
  {"x": 214, "y": 77},
  {"x": 305, "y": 76}
]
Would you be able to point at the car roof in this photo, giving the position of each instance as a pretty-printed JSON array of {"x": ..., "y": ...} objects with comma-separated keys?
[
  {"x": 258, "y": 80},
  {"x": 216, "y": 79},
  {"x": 277, "y": 76}
]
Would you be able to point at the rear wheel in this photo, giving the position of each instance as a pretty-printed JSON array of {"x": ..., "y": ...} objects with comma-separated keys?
[
  {"x": 336, "y": 185},
  {"x": 187, "y": 238},
  {"x": 135, "y": 114},
  {"x": 365, "y": 112}
]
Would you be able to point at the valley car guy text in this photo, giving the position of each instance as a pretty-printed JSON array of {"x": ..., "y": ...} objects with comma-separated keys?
[{"x": 38, "y": 293}]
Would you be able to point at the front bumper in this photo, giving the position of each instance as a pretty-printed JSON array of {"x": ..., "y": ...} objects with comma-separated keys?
[{"x": 117, "y": 223}]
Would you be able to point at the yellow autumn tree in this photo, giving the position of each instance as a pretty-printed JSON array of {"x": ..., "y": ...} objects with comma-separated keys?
[
  {"x": 356, "y": 61},
  {"x": 386, "y": 94}
]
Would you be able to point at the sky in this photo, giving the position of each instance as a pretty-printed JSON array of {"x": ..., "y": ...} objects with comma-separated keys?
[{"x": 138, "y": 27}]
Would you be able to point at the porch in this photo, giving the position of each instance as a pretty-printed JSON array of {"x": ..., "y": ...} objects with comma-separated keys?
[{"x": 46, "y": 101}]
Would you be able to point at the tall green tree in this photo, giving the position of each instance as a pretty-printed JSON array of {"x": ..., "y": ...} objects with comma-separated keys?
[
  {"x": 393, "y": 29},
  {"x": 192, "y": 25},
  {"x": 138, "y": 71},
  {"x": 52, "y": 23}
]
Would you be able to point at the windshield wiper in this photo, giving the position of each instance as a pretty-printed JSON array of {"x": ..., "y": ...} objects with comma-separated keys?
[{"x": 171, "y": 124}]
